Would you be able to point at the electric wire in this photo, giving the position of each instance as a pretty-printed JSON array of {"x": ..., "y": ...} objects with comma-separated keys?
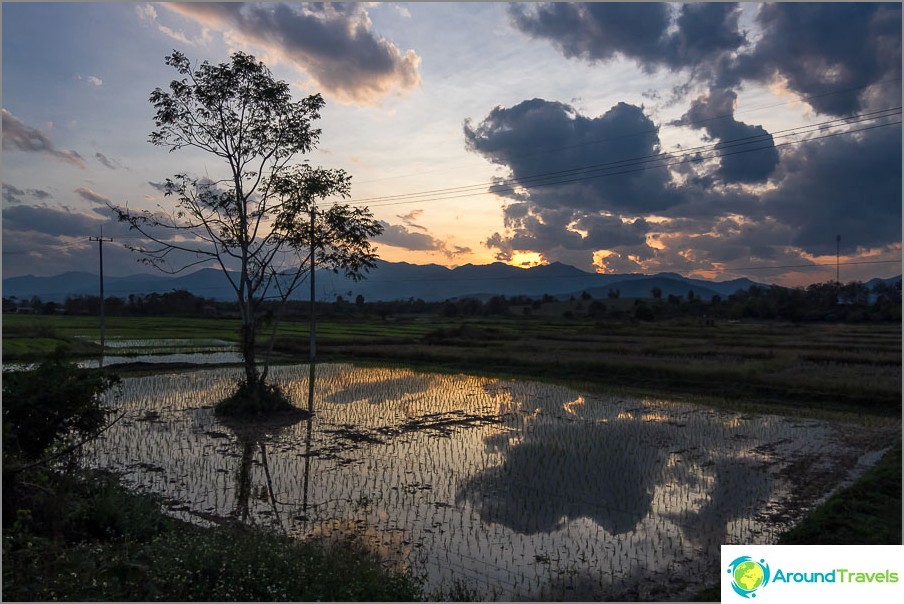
[{"x": 647, "y": 162}]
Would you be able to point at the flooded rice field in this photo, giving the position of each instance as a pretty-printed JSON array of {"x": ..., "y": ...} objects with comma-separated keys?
[
  {"x": 196, "y": 351},
  {"x": 518, "y": 490}
]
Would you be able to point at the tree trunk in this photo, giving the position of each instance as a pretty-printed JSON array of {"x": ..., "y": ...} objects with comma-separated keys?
[{"x": 248, "y": 353}]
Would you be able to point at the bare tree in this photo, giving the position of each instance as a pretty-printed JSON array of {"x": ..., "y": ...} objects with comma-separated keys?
[{"x": 261, "y": 218}]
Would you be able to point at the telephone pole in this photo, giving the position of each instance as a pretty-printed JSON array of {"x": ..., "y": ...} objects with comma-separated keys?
[
  {"x": 838, "y": 259},
  {"x": 313, "y": 328},
  {"x": 100, "y": 246}
]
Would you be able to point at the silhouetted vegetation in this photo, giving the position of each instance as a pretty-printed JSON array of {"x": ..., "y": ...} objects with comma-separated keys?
[
  {"x": 74, "y": 534},
  {"x": 831, "y": 302},
  {"x": 48, "y": 405}
]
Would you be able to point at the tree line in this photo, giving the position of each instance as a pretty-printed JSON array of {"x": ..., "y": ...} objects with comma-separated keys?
[{"x": 850, "y": 302}]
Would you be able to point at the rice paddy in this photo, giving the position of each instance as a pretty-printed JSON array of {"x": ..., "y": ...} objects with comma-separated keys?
[{"x": 519, "y": 490}]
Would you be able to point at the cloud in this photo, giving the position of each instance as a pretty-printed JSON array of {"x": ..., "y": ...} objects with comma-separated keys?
[
  {"x": 13, "y": 194},
  {"x": 714, "y": 113},
  {"x": 147, "y": 13},
  {"x": 103, "y": 159},
  {"x": 410, "y": 217},
  {"x": 89, "y": 195},
  {"x": 587, "y": 193},
  {"x": 91, "y": 79},
  {"x": 849, "y": 185},
  {"x": 846, "y": 57},
  {"x": 49, "y": 221},
  {"x": 333, "y": 43},
  {"x": 651, "y": 34},
  {"x": 39, "y": 194},
  {"x": 160, "y": 186},
  {"x": 687, "y": 218},
  {"x": 598, "y": 164},
  {"x": 398, "y": 235},
  {"x": 20, "y": 137}
]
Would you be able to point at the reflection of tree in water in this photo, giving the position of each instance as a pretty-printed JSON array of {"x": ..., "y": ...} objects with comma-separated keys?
[
  {"x": 600, "y": 471},
  {"x": 253, "y": 434}
]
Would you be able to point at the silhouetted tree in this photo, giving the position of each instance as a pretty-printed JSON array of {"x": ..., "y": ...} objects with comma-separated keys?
[{"x": 262, "y": 216}]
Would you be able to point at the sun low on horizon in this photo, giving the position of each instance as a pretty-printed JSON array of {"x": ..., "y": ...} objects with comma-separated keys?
[{"x": 714, "y": 142}]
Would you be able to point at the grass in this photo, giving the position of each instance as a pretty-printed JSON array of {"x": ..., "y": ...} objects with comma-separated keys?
[
  {"x": 91, "y": 539},
  {"x": 810, "y": 368},
  {"x": 865, "y": 513}
]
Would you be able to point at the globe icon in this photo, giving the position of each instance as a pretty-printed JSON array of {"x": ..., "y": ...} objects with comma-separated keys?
[{"x": 748, "y": 575}]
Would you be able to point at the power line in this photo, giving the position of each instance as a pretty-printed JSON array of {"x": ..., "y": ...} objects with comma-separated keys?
[
  {"x": 644, "y": 166},
  {"x": 754, "y": 268},
  {"x": 656, "y": 130},
  {"x": 649, "y": 161},
  {"x": 657, "y": 156}
]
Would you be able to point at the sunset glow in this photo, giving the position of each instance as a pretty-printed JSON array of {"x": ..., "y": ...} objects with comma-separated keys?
[{"x": 479, "y": 132}]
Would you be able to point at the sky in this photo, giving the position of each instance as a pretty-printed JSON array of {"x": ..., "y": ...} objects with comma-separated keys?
[{"x": 713, "y": 140}]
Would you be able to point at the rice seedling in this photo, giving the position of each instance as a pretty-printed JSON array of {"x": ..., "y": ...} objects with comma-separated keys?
[{"x": 520, "y": 489}]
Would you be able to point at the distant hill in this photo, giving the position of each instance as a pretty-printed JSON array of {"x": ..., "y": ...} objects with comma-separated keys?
[
  {"x": 643, "y": 288},
  {"x": 397, "y": 281}
]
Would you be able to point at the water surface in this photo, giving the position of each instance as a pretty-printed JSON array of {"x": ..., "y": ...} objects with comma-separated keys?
[{"x": 520, "y": 490}]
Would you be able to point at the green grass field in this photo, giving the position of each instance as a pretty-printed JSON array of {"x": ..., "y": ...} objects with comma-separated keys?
[{"x": 810, "y": 368}]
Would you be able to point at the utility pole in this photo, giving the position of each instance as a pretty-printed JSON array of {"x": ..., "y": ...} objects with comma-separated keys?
[
  {"x": 100, "y": 246},
  {"x": 838, "y": 259},
  {"x": 313, "y": 328}
]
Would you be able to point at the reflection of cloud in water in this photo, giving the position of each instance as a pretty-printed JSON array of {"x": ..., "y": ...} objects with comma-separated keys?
[
  {"x": 563, "y": 472},
  {"x": 738, "y": 488}
]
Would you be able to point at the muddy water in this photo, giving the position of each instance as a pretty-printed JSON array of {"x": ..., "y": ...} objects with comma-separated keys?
[{"x": 518, "y": 490}]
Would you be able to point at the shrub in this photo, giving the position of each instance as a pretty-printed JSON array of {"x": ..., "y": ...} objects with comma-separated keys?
[{"x": 46, "y": 406}]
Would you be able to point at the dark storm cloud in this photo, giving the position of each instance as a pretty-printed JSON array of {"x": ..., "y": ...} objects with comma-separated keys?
[
  {"x": 334, "y": 43},
  {"x": 848, "y": 185},
  {"x": 845, "y": 57},
  {"x": 574, "y": 211},
  {"x": 649, "y": 33},
  {"x": 49, "y": 221},
  {"x": 748, "y": 152},
  {"x": 18, "y": 136},
  {"x": 610, "y": 146},
  {"x": 829, "y": 52},
  {"x": 160, "y": 186}
]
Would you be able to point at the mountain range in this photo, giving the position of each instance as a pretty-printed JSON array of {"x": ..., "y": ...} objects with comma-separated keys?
[{"x": 395, "y": 281}]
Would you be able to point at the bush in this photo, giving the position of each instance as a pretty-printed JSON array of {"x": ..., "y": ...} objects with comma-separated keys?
[
  {"x": 262, "y": 400},
  {"x": 46, "y": 406}
]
